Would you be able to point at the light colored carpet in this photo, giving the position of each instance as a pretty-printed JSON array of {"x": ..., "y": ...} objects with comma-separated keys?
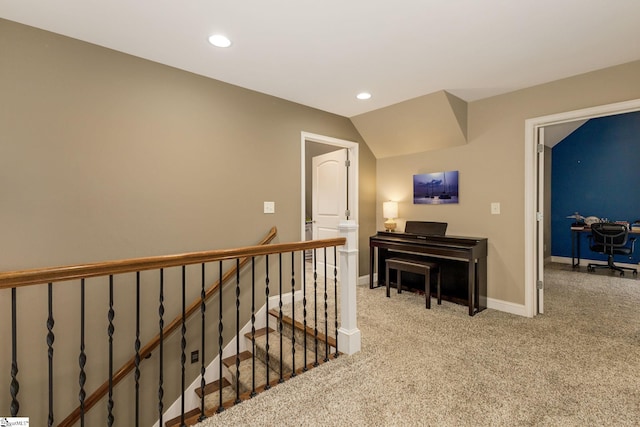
[{"x": 576, "y": 365}]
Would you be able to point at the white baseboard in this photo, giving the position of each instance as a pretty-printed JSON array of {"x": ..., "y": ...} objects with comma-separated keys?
[
  {"x": 507, "y": 307},
  {"x": 364, "y": 280}
]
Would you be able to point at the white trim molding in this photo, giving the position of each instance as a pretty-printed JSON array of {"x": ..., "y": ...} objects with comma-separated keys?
[
  {"x": 530, "y": 187},
  {"x": 506, "y": 306}
]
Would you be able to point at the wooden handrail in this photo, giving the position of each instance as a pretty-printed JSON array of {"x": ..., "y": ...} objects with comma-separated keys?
[{"x": 16, "y": 279}]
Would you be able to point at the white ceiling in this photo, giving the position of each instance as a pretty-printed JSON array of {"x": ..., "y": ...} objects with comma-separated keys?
[{"x": 322, "y": 53}]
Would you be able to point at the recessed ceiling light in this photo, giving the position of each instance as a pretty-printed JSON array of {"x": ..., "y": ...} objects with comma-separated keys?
[
  {"x": 218, "y": 40},
  {"x": 363, "y": 95}
]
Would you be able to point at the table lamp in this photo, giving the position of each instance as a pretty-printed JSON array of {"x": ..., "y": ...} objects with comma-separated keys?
[{"x": 390, "y": 211}]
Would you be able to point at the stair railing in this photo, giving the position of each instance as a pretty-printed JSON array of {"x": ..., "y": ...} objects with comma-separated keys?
[
  {"x": 324, "y": 328},
  {"x": 145, "y": 351},
  {"x": 13, "y": 281}
]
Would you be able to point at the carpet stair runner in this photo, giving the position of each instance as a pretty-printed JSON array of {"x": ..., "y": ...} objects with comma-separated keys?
[{"x": 245, "y": 378}]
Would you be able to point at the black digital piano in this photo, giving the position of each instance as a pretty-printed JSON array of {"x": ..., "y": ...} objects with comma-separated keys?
[{"x": 462, "y": 260}]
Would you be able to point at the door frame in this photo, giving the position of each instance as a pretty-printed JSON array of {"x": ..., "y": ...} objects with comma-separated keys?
[
  {"x": 532, "y": 192},
  {"x": 352, "y": 175},
  {"x": 540, "y": 207}
]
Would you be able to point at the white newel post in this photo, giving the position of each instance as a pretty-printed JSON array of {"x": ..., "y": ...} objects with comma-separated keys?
[{"x": 348, "y": 333}]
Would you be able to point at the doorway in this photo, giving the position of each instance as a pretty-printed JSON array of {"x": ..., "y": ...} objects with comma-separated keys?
[
  {"x": 329, "y": 190},
  {"x": 534, "y": 193},
  {"x": 313, "y": 145}
]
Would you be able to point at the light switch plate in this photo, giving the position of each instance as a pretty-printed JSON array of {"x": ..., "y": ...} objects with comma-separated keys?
[
  {"x": 495, "y": 208},
  {"x": 269, "y": 207}
]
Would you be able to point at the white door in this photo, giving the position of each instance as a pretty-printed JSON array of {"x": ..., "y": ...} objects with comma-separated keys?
[
  {"x": 540, "y": 222},
  {"x": 328, "y": 201}
]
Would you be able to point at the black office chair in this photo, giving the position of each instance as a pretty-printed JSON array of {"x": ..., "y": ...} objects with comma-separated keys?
[{"x": 611, "y": 239}]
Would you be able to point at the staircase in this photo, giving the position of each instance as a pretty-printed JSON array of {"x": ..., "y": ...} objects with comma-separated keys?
[
  {"x": 166, "y": 277},
  {"x": 246, "y": 375}
]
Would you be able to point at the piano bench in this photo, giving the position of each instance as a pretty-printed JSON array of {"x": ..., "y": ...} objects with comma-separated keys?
[{"x": 413, "y": 266}]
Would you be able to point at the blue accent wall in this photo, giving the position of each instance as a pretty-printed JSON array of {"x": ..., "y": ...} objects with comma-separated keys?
[{"x": 596, "y": 171}]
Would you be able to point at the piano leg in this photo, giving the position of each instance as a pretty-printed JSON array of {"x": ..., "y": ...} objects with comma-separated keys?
[
  {"x": 481, "y": 290},
  {"x": 471, "y": 287},
  {"x": 372, "y": 251}
]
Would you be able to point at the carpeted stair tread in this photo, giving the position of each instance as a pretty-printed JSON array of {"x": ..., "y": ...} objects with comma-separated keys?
[
  {"x": 190, "y": 418},
  {"x": 213, "y": 387},
  {"x": 290, "y": 327},
  {"x": 246, "y": 371},
  {"x": 274, "y": 352},
  {"x": 211, "y": 402},
  {"x": 212, "y": 393}
]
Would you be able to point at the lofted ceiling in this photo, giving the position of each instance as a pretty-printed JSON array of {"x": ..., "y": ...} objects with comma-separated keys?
[{"x": 322, "y": 53}]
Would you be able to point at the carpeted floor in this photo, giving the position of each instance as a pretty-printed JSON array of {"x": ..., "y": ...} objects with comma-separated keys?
[{"x": 576, "y": 365}]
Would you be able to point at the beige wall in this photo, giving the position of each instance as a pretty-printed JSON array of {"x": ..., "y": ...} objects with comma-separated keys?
[
  {"x": 143, "y": 158},
  {"x": 107, "y": 156},
  {"x": 491, "y": 168}
]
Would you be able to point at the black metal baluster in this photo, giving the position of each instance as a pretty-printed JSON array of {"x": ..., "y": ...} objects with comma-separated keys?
[
  {"x": 137, "y": 348},
  {"x": 281, "y": 379},
  {"x": 15, "y": 385},
  {"x": 237, "y": 332},
  {"x": 203, "y": 308},
  {"x": 326, "y": 308},
  {"x": 293, "y": 315},
  {"x": 335, "y": 293},
  {"x": 304, "y": 314},
  {"x": 266, "y": 283},
  {"x": 183, "y": 344},
  {"x": 253, "y": 327},
  {"x": 315, "y": 305},
  {"x": 220, "y": 341},
  {"x": 50, "y": 339},
  {"x": 110, "y": 331},
  {"x": 82, "y": 360},
  {"x": 161, "y": 349}
]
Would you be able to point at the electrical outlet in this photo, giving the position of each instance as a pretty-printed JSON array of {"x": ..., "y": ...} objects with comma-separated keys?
[
  {"x": 269, "y": 207},
  {"x": 495, "y": 208}
]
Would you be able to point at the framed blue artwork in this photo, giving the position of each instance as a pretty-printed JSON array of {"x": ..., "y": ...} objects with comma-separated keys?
[{"x": 437, "y": 188}]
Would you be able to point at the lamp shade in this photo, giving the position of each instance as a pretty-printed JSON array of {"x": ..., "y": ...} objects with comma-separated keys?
[{"x": 390, "y": 209}]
